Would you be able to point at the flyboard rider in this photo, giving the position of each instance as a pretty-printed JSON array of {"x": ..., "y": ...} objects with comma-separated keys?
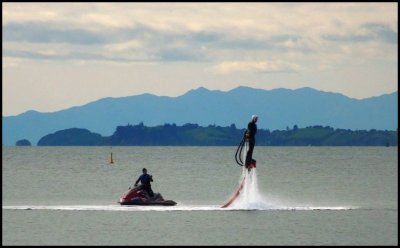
[{"x": 250, "y": 137}]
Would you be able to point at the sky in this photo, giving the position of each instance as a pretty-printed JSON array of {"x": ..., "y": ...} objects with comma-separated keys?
[{"x": 60, "y": 55}]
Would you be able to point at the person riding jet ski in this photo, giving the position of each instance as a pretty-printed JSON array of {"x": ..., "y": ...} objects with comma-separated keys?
[
  {"x": 143, "y": 194},
  {"x": 145, "y": 180}
]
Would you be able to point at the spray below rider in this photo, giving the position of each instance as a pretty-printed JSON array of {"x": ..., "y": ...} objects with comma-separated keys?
[{"x": 250, "y": 137}]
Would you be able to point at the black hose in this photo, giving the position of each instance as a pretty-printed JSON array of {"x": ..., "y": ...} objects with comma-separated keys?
[
  {"x": 239, "y": 151},
  {"x": 239, "y": 162}
]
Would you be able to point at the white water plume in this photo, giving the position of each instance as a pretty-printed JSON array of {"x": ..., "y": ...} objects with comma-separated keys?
[{"x": 249, "y": 197}]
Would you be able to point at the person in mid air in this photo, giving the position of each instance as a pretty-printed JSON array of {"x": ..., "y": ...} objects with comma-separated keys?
[
  {"x": 145, "y": 180},
  {"x": 250, "y": 137}
]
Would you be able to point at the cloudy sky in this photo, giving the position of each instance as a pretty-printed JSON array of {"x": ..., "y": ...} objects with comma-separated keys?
[{"x": 59, "y": 55}]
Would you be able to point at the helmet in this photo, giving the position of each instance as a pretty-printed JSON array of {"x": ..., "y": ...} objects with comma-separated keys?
[{"x": 254, "y": 117}]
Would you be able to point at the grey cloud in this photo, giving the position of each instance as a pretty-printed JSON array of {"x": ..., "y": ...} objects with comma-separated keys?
[
  {"x": 273, "y": 43},
  {"x": 285, "y": 37},
  {"x": 191, "y": 50},
  {"x": 41, "y": 33},
  {"x": 68, "y": 56},
  {"x": 383, "y": 32},
  {"x": 37, "y": 33},
  {"x": 205, "y": 37},
  {"x": 375, "y": 31},
  {"x": 245, "y": 43},
  {"x": 348, "y": 38},
  {"x": 157, "y": 44},
  {"x": 179, "y": 55}
]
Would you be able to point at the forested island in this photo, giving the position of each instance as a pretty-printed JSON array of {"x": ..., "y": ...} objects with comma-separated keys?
[{"x": 212, "y": 135}]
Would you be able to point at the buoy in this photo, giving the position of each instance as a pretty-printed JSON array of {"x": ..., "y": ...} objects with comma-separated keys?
[{"x": 111, "y": 161}]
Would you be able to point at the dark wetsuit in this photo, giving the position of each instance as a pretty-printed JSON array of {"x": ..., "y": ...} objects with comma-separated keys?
[
  {"x": 251, "y": 130},
  {"x": 145, "y": 180}
]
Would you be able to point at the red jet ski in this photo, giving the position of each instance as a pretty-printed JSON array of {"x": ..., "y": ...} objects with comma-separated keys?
[{"x": 138, "y": 196}]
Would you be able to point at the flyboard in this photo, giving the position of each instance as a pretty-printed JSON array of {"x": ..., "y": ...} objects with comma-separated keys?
[{"x": 240, "y": 155}]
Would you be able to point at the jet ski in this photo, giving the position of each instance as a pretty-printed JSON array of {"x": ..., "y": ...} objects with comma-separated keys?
[{"x": 138, "y": 196}]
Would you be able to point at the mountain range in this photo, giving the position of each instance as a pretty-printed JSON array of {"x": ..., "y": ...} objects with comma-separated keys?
[{"x": 277, "y": 109}]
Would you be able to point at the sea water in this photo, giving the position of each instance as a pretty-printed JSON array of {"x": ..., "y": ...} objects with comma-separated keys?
[{"x": 296, "y": 196}]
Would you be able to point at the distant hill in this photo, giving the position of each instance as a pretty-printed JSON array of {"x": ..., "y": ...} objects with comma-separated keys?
[
  {"x": 23, "y": 142},
  {"x": 277, "y": 109},
  {"x": 195, "y": 135}
]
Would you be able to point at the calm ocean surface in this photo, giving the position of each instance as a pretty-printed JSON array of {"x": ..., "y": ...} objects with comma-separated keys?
[{"x": 314, "y": 195}]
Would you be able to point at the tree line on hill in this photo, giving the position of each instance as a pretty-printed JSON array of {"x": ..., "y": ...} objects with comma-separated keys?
[{"x": 212, "y": 135}]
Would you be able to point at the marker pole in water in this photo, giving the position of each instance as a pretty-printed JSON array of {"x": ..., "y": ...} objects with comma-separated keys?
[{"x": 111, "y": 161}]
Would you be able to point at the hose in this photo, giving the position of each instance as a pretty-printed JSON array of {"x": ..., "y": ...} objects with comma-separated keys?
[{"x": 239, "y": 151}]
